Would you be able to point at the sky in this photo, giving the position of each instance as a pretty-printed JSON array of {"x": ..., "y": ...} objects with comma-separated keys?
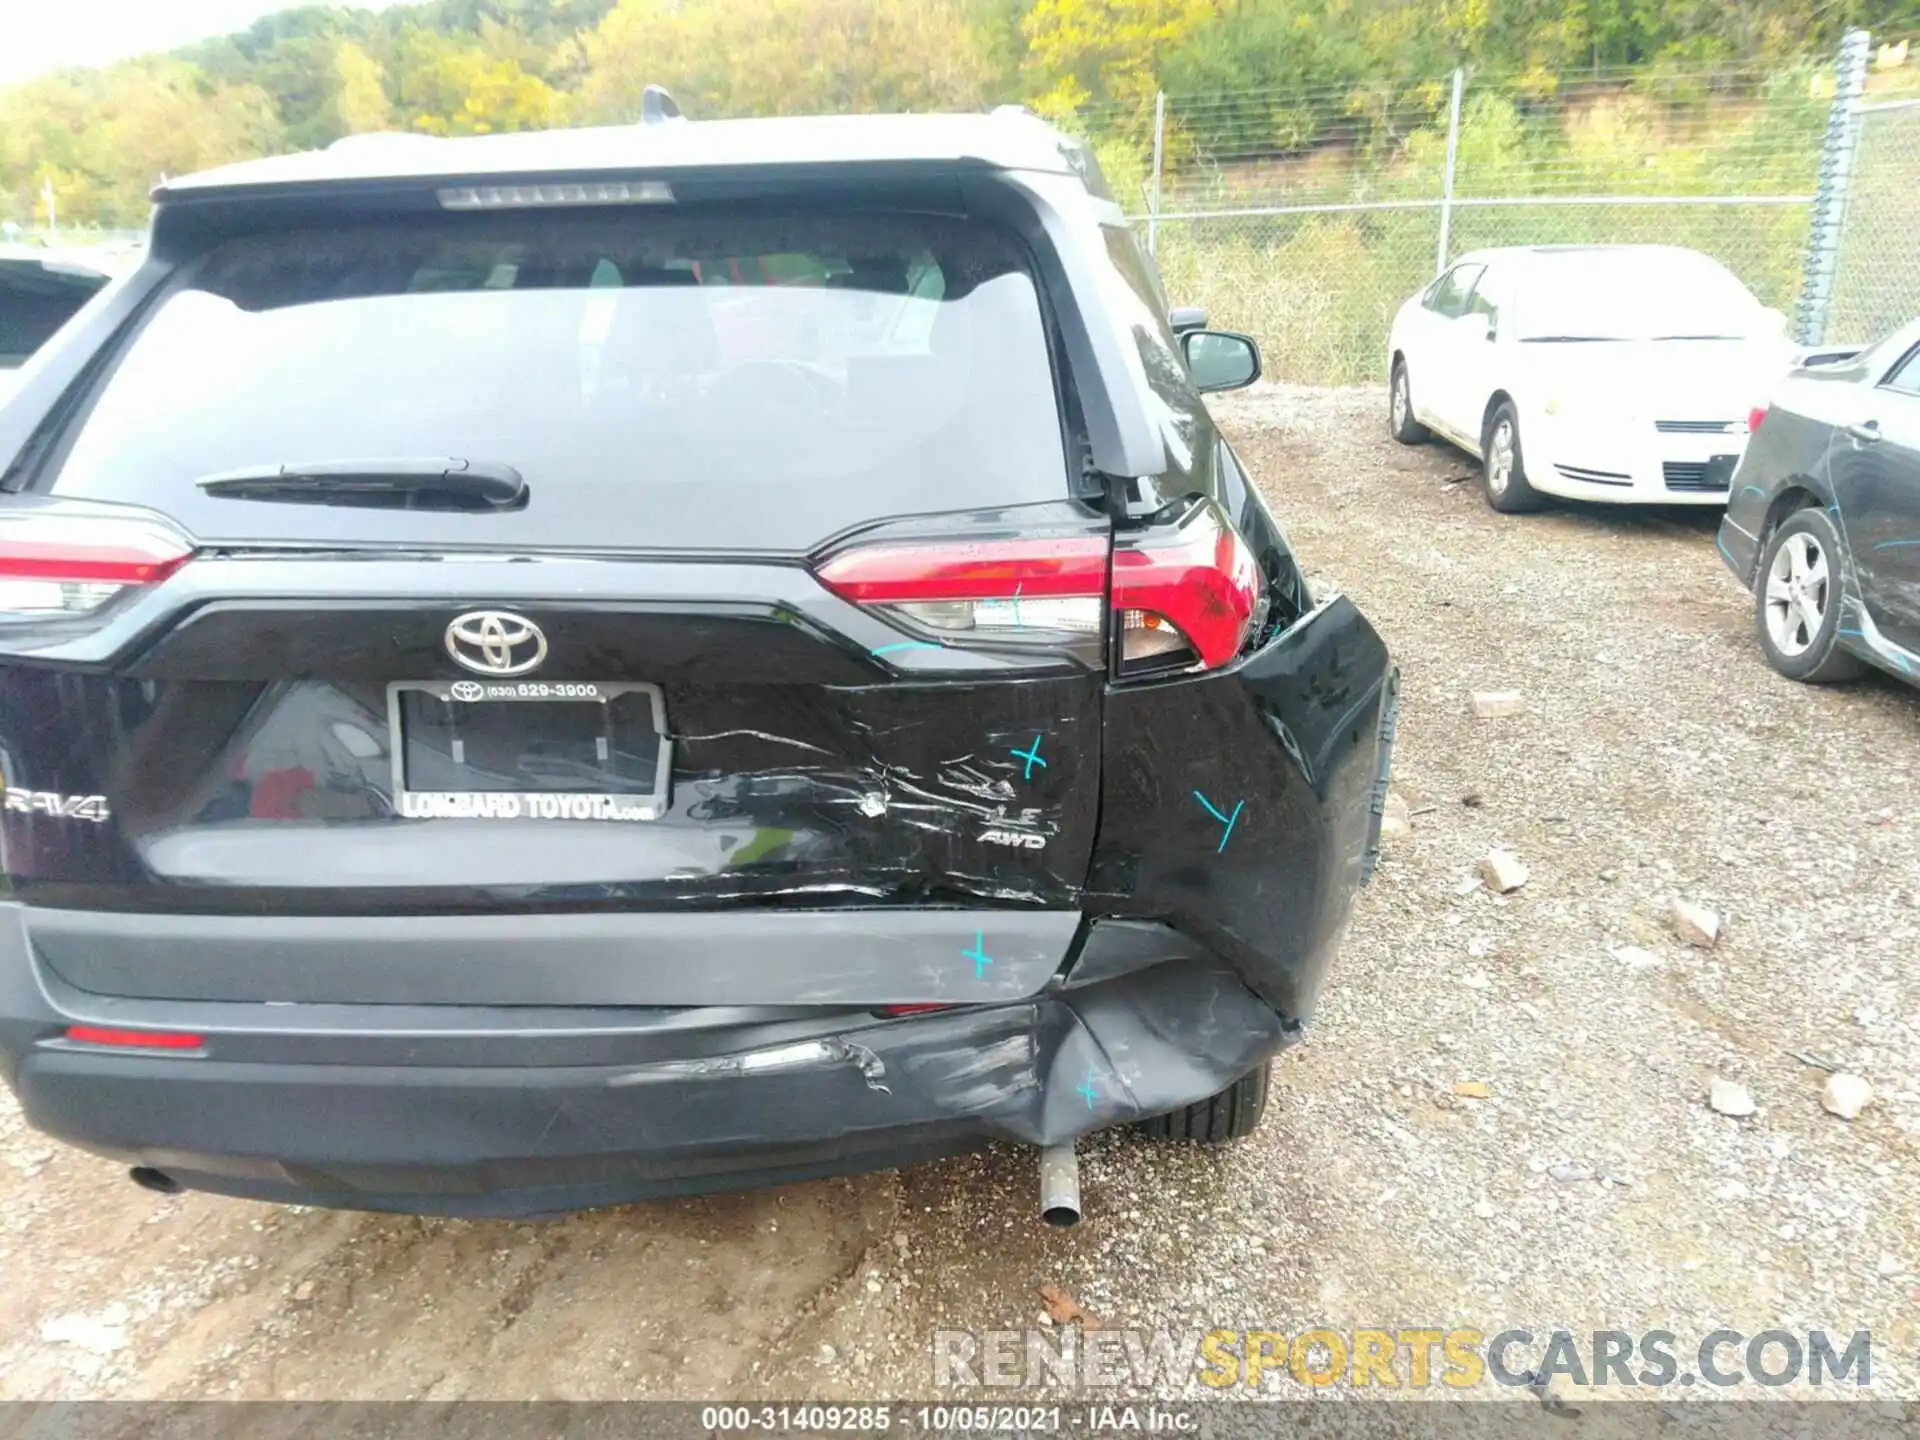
[{"x": 93, "y": 32}]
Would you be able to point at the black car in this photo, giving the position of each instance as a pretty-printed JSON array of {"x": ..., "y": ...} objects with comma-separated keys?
[
  {"x": 1823, "y": 524},
  {"x": 551, "y": 669}
]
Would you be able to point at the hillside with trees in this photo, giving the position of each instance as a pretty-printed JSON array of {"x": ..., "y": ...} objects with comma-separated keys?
[{"x": 100, "y": 138}]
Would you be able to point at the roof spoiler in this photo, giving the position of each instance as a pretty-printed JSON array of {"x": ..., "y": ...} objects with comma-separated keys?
[{"x": 657, "y": 106}]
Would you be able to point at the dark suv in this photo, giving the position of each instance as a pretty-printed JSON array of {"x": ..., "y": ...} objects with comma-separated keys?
[{"x": 544, "y": 670}]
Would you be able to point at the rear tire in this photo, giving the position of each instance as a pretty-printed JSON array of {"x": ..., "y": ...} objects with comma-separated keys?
[
  {"x": 1400, "y": 421},
  {"x": 1796, "y": 611},
  {"x": 1503, "y": 470},
  {"x": 1231, "y": 1115}
]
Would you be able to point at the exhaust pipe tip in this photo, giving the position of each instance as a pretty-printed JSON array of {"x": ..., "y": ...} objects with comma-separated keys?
[
  {"x": 1060, "y": 1186},
  {"x": 158, "y": 1181}
]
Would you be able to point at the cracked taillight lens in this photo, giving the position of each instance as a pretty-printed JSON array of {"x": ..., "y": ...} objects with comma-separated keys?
[
  {"x": 1187, "y": 592},
  {"x": 1026, "y": 592}
]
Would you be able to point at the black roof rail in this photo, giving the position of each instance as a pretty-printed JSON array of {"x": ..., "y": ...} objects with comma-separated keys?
[{"x": 657, "y": 106}]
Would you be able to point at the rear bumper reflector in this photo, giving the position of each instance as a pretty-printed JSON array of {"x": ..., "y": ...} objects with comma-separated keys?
[{"x": 133, "y": 1039}]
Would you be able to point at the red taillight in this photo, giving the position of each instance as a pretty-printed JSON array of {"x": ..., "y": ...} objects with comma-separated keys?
[
  {"x": 133, "y": 1039},
  {"x": 969, "y": 570},
  {"x": 1033, "y": 591},
  {"x": 1754, "y": 417},
  {"x": 912, "y": 1009},
  {"x": 1181, "y": 592},
  {"x": 1194, "y": 581},
  {"x": 53, "y": 564}
]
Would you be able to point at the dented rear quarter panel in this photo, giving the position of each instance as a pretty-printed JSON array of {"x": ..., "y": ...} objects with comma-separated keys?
[{"x": 1238, "y": 805}]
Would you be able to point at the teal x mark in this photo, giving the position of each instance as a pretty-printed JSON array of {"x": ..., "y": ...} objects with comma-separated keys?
[
  {"x": 1085, "y": 1088},
  {"x": 978, "y": 955},
  {"x": 1032, "y": 756}
]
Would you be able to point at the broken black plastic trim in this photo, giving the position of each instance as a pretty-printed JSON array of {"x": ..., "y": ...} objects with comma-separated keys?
[{"x": 757, "y": 1102}]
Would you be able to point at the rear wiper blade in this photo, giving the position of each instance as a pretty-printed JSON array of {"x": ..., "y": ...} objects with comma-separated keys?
[
  {"x": 432, "y": 482},
  {"x": 1562, "y": 339}
]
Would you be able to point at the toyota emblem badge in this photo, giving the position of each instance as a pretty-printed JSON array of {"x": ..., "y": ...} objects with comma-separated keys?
[{"x": 496, "y": 642}]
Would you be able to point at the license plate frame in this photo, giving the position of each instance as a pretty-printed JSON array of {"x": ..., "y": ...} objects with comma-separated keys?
[{"x": 529, "y": 805}]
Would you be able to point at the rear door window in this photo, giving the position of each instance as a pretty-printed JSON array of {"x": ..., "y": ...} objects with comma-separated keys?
[{"x": 665, "y": 380}]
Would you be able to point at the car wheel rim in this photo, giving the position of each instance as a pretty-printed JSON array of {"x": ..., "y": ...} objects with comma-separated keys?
[
  {"x": 1500, "y": 458},
  {"x": 1797, "y": 592},
  {"x": 1400, "y": 401}
]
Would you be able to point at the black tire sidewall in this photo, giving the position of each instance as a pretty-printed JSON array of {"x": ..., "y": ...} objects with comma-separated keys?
[
  {"x": 1412, "y": 432},
  {"x": 1519, "y": 495},
  {"x": 1823, "y": 658},
  {"x": 1232, "y": 1114}
]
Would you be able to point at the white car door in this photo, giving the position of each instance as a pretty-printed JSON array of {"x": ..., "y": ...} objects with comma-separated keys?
[
  {"x": 1433, "y": 376},
  {"x": 1477, "y": 351}
]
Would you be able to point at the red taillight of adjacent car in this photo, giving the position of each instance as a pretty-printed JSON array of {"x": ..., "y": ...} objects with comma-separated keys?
[
  {"x": 1754, "y": 417},
  {"x": 1182, "y": 593},
  {"x": 54, "y": 565},
  {"x": 1185, "y": 591}
]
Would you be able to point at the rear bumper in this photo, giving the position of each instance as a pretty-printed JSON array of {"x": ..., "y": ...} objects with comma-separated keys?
[
  {"x": 1739, "y": 547},
  {"x": 471, "y": 1111}
]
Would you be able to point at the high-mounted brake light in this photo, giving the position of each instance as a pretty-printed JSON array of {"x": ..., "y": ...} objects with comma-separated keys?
[
  {"x": 528, "y": 197},
  {"x": 1032, "y": 591},
  {"x": 133, "y": 1039},
  {"x": 1754, "y": 417},
  {"x": 1185, "y": 592},
  {"x": 54, "y": 565}
]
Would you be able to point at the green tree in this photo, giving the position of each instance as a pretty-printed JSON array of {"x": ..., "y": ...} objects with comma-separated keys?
[
  {"x": 361, "y": 101},
  {"x": 1105, "y": 51},
  {"x": 786, "y": 57},
  {"x": 454, "y": 86}
]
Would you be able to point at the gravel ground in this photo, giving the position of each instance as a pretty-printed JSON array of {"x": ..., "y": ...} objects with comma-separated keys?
[{"x": 1656, "y": 756}]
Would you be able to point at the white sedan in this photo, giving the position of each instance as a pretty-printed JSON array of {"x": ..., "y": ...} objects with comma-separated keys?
[{"x": 1614, "y": 373}]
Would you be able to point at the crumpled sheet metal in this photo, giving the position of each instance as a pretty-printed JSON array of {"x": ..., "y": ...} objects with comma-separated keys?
[
  {"x": 1238, "y": 806},
  {"x": 1076, "y": 1060}
]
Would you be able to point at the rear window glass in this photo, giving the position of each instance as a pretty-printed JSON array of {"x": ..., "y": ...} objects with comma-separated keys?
[{"x": 657, "y": 378}]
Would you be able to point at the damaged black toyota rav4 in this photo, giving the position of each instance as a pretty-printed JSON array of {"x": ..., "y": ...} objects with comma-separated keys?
[{"x": 539, "y": 671}]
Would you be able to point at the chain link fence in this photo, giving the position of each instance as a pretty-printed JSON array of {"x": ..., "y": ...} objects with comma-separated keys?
[
  {"x": 1305, "y": 219},
  {"x": 1876, "y": 284}
]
